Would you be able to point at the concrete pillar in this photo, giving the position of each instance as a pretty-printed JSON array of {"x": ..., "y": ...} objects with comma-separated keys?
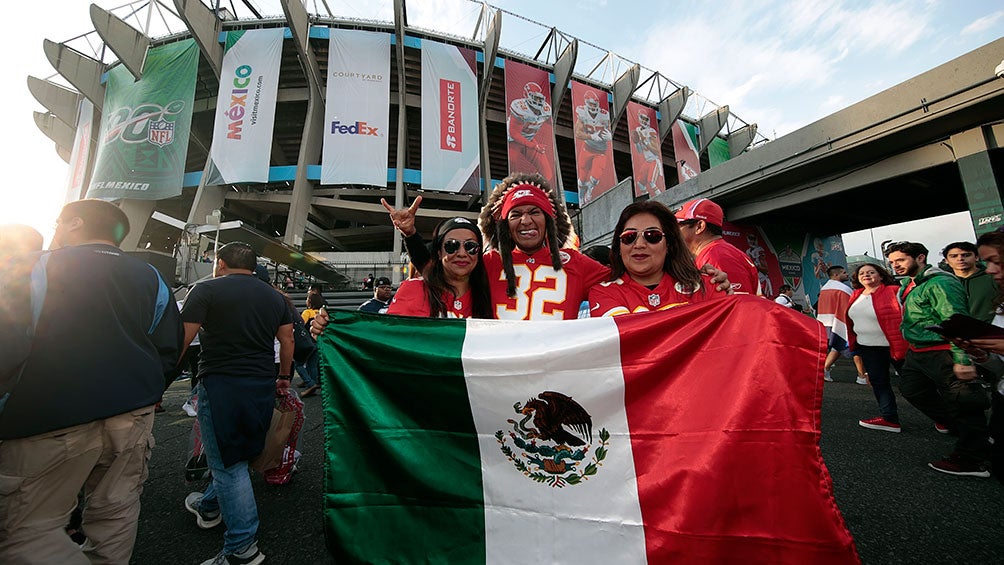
[
  {"x": 982, "y": 187},
  {"x": 138, "y": 212}
]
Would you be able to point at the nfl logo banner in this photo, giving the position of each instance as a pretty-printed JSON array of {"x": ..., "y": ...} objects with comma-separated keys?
[
  {"x": 646, "y": 151},
  {"x": 528, "y": 121},
  {"x": 245, "y": 107},
  {"x": 451, "y": 153},
  {"x": 676, "y": 436},
  {"x": 357, "y": 108},
  {"x": 688, "y": 162},
  {"x": 143, "y": 141}
]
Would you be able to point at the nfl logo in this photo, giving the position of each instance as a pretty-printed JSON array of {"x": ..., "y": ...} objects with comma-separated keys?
[{"x": 161, "y": 133}]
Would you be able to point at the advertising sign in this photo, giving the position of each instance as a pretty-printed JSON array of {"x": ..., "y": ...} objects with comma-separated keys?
[
  {"x": 451, "y": 152},
  {"x": 528, "y": 121}
]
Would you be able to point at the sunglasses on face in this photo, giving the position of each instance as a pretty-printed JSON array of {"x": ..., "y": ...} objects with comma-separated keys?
[
  {"x": 451, "y": 246},
  {"x": 652, "y": 236}
]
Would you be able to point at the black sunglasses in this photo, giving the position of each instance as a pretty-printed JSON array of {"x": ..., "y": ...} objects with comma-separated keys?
[
  {"x": 451, "y": 246},
  {"x": 652, "y": 236}
]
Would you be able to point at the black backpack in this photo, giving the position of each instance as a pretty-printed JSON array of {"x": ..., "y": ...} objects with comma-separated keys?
[{"x": 303, "y": 345}]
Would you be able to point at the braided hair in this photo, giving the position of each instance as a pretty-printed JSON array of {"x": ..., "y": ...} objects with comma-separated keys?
[{"x": 557, "y": 229}]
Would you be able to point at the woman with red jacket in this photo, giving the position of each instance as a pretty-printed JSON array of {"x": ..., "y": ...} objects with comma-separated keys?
[{"x": 873, "y": 319}]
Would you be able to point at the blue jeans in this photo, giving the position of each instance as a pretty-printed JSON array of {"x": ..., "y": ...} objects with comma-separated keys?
[
  {"x": 230, "y": 490},
  {"x": 876, "y": 361},
  {"x": 310, "y": 370}
]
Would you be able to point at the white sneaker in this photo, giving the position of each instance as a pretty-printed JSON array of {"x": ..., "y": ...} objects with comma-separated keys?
[
  {"x": 827, "y": 377},
  {"x": 189, "y": 409},
  {"x": 862, "y": 380}
]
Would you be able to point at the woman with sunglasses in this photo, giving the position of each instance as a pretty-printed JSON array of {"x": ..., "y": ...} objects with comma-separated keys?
[
  {"x": 455, "y": 284},
  {"x": 651, "y": 267}
]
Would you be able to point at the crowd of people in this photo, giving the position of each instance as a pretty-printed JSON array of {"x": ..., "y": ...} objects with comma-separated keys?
[{"x": 92, "y": 338}]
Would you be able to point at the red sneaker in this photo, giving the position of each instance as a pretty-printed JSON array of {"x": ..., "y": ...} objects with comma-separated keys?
[
  {"x": 940, "y": 428},
  {"x": 961, "y": 466},
  {"x": 880, "y": 423}
]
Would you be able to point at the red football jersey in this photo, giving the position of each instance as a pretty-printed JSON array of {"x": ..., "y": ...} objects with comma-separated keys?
[
  {"x": 625, "y": 296},
  {"x": 411, "y": 300},
  {"x": 543, "y": 293},
  {"x": 724, "y": 256}
]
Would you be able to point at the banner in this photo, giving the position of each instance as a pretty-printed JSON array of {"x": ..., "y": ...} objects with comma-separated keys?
[
  {"x": 688, "y": 162},
  {"x": 451, "y": 141},
  {"x": 528, "y": 121},
  {"x": 751, "y": 240},
  {"x": 819, "y": 254},
  {"x": 245, "y": 107},
  {"x": 143, "y": 142},
  {"x": 594, "y": 152},
  {"x": 81, "y": 151},
  {"x": 584, "y": 441},
  {"x": 646, "y": 150},
  {"x": 357, "y": 108},
  {"x": 718, "y": 151}
]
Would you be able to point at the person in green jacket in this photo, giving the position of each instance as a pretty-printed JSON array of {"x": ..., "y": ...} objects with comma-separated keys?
[
  {"x": 981, "y": 290},
  {"x": 937, "y": 377}
]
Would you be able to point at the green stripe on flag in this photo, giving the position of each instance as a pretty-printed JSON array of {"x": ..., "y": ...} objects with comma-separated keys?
[{"x": 399, "y": 478}]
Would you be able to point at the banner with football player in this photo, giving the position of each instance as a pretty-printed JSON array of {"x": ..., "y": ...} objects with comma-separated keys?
[
  {"x": 357, "y": 108},
  {"x": 143, "y": 141},
  {"x": 451, "y": 148},
  {"x": 688, "y": 162},
  {"x": 594, "y": 153},
  {"x": 528, "y": 121},
  {"x": 646, "y": 150},
  {"x": 81, "y": 151},
  {"x": 245, "y": 107},
  {"x": 752, "y": 241}
]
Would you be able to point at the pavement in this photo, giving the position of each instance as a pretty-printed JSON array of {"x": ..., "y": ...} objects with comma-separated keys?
[{"x": 897, "y": 508}]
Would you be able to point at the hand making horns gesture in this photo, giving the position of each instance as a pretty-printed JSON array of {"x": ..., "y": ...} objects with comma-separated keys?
[{"x": 403, "y": 220}]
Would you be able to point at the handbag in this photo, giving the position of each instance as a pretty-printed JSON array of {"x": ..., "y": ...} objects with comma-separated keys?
[{"x": 287, "y": 411}]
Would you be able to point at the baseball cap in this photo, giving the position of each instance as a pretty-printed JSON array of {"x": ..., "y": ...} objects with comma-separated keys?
[
  {"x": 701, "y": 209},
  {"x": 382, "y": 281}
]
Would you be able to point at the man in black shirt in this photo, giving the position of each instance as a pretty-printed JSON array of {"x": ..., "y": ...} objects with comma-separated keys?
[{"x": 240, "y": 317}]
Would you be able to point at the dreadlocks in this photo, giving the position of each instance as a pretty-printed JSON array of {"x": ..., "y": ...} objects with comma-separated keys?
[{"x": 557, "y": 228}]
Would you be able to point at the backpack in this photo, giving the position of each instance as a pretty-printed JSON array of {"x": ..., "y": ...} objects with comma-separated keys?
[{"x": 303, "y": 345}]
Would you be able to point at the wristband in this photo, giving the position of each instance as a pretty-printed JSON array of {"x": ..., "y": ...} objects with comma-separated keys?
[{"x": 285, "y": 377}]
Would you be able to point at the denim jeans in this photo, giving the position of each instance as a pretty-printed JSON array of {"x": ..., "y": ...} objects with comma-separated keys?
[
  {"x": 310, "y": 370},
  {"x": 876, "y": 361},
  {"x": 230, "y": 490}
]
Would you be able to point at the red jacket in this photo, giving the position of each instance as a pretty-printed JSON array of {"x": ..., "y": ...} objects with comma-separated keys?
[{"x": 889, "y": 314}]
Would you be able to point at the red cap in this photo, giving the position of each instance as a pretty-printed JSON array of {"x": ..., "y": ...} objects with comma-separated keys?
[{"x": 701, "y": 209}]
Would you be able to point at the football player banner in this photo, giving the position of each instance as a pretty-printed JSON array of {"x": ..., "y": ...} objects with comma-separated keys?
[
  {"x": 357, "y": 108},
  {"x": 594, "y": 152},
  {"x": 688, "y": 162},
  {"x": 646, "y": 150},
  {"x": 143, "y": 141},
  {"x": 245, "y": 107},
  {"x": 528, "y": 121},
  {"x": 676, "y": 436},
  {"x": 451, "y": 151},
  {"x": 751, "y": 241}
]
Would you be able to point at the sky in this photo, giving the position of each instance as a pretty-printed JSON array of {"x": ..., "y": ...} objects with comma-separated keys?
[{"x": 781, "y": 65}]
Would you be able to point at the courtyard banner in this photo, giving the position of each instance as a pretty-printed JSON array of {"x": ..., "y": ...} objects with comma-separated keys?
[
  {"x": 646, "y": 151},
  {"x": 688, "y": 162},
  {"x": 245, "y": 107},
  {"x": 357, "y": 108},
  {"x": 602, "y": 440},
  {"x": 594, "y": 152},
  {"x": 143, "y": 141},
  {"x": 528, "y": 121},
  {"x": 451, "y": 144}
]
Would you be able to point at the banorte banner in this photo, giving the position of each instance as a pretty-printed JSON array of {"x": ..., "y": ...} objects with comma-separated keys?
[
  {"x": 451, "y": 148},
  {"x": 357, "y": 108},
  {"x": 245, "y": 107},
  {"x": 594, "y": 153},
  {"x": 646, "y": 151},
  {"x": 528, "y": 121},
  {"x": 143, "y": 142},
  {"x": 688, "y": 162}
]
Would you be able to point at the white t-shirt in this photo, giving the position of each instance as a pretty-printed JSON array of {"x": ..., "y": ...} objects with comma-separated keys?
[
  {"x": 866, "y": 325},
  {"x": 784, "y": 300}
]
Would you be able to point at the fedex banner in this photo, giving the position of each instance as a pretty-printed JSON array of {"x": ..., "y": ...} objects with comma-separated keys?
[
  {"x": 245, "y": 107},
  {"x": 646, "y": 150},
  {"x": 81, "y": 151},
  {"x": 143, "y": 142},
  {"x": 357, "y": 108},
  {"x": 594, "y": 152},
  {"x": 451, "y": 154},
  {"x": 528, "y": 121},
  {"x": 688, "y": 162}
]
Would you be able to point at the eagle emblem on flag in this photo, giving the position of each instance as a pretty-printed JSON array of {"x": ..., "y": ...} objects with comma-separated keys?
[{"x": 556, "y": 442}]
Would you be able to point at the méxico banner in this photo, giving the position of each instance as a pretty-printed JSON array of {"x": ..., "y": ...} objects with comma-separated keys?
[
  {"x": 677, "y": 436},
  {"x": 357, "y": 108},
  {"x": 451, "y": 144},
  {"x": 646, "y": 151},
  {"x": 528, "y": 121},
  {"x": 594, "y": 152},
  {"x": 81, "y": 152},
  {"x": 143, "y": 142},
  {"x": 245, "y": 107},
  {"x": 688, "y": 162}
]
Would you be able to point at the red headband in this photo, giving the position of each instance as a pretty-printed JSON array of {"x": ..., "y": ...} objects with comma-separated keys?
[{"x": 524, "y": 194}]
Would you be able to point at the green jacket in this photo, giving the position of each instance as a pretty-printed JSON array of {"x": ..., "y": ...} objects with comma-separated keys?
[
  {"x": 935, "y": 298},
  {"x": 981, "y": 291}
]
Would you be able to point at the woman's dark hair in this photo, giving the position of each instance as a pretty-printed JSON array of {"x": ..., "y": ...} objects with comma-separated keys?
[
  {"x": 315, "y": 301},
  {"x": 679, "y": 262},
  {"x": 994, "y": 239},
  {"x": 435, "y": 276},
  {"x": 887, "y": 279}
]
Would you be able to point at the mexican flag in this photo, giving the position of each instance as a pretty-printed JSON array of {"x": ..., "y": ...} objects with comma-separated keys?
[{"x": 681, "y": 436}]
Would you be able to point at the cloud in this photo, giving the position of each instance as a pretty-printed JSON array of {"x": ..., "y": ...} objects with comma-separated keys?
[{"x": 982, "y": 24}]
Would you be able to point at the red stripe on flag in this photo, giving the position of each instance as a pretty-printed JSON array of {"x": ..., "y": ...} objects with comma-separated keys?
[{"x": 723, "y": 405}]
